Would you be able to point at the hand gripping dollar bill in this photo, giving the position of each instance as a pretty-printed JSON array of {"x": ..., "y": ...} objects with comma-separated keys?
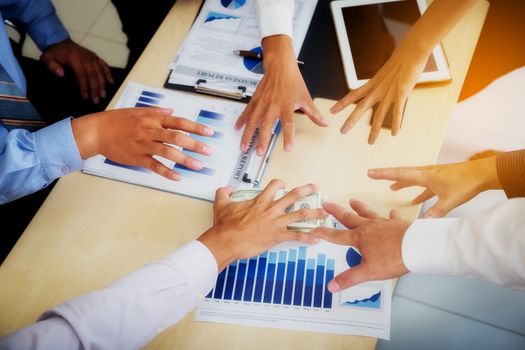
[{"x": 312, "y": 201}]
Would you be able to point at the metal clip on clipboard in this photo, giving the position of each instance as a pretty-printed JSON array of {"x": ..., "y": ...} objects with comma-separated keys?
[{"x": 220, "y": 89}]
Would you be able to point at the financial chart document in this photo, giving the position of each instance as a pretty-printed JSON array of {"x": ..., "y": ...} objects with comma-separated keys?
[
  {"x": 225, "y": 166},
  {"x": 221, "y": 27},
  {"x": 286, "y": 287}
]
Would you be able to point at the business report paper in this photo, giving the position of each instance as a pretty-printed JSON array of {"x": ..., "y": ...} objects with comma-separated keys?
[
  {"x": 221, "y": 27},
  {"x": 226, "y": 165},
  {"x": 286, "y": 287}
]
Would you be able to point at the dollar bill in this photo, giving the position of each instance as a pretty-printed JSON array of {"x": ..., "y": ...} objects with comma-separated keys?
[{"x": 312, "y": 201}]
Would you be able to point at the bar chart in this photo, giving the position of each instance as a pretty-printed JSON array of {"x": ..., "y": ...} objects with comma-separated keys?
[{"x": 285, "y": 277}]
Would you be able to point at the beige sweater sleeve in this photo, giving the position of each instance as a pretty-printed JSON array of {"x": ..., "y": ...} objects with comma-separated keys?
[{"x": 511, "y": 173}]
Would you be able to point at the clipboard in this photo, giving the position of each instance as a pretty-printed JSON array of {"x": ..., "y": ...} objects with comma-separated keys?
[{"x": 232, "y": 92}]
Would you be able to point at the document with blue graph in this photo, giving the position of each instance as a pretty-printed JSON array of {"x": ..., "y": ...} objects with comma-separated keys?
[
  {"x": 226, "y": 165},
  {"x": 286, "y": 287},
  {"x": 222, "y": 27}
]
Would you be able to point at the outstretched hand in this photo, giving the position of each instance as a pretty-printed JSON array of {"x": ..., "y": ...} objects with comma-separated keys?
[
  {"x": 378, "y": 239},
  {"x": 281, "y": 91},
  {"x": 244, "y": 229},
  {"x": 453, "y": 184}
]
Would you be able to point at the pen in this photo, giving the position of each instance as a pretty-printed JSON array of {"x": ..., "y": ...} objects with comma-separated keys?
[{"x": 255, "y": 55}]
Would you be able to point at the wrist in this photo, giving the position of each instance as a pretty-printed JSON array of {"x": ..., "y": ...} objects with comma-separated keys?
[
  {"x": 216, "y": 240},
  {"x": 277, "y": 49},
  {"x": 486, "y": 170},
  {"x": 86, "y": 131}
]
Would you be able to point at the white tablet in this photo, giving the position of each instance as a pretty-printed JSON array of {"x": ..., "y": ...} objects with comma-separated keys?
[{"x": 368, "y": 31}]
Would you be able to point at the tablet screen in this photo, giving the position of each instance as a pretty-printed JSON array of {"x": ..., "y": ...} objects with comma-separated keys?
[{"x": 375, "y": 30}]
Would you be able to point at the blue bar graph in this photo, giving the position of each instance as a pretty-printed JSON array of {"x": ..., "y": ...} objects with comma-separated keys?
[
  {"x": 299, "y": 277},
  {"x": 286, "y": 277},
  {"x": 261, "y": 272},
  {"x": 270, "y": 277},
  {"x": 239, "y": 286}
]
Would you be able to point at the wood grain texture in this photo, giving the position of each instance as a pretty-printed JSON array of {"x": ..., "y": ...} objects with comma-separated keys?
[{"x": 91, "y": 230}]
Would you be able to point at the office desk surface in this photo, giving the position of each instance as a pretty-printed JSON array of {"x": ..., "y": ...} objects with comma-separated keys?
[{"x": 90, "y": 230}]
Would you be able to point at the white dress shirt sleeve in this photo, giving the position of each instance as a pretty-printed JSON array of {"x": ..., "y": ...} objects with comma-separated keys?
[
  {"x": 128, "y": 313},
  {"x": 275, "y": 17},
  {"x": 488, "y": 245}
]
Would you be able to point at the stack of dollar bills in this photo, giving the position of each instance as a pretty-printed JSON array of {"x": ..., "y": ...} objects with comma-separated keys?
[{"x": 312, "y": 201}]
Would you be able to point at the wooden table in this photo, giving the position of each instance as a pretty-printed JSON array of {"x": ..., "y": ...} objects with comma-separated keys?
[{"x": 90, "y": 230}]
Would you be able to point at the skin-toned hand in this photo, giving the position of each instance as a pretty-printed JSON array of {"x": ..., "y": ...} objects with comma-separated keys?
[
  {"x": 133, "y": 136},
  {"x": 393, "y": 82},
  {"x": 281, "y": 91},
  {"x": 378, "y": 239},
  {"x": 91, "y": 71},
  {"x": 453, "y": 184},
  {"x": 245, "y": 229}
]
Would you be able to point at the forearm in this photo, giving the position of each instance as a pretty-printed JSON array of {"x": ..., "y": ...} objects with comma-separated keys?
[
  {"x": 39, "y": 19},
  {"x": 31, "y": 161},
  {"x": 438, "y": 20},
  {"x": 511, "y": 173},
  {"x": 131, "y": 311},
  {"x": 488, "y": 245}
]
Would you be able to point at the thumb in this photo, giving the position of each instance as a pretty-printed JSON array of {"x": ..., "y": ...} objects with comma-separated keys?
[
  {"x": 347, "y": 279},
  {"x": 437, "y": 210},
  {"x": 53, "y": 65}
]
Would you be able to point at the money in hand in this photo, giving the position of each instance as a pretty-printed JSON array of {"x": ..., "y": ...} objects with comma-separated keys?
[{"x": 312, "y": 201}]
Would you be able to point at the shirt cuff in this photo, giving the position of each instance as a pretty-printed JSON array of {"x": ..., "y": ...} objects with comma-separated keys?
[
  {"x": 276, "y": 19},
  {"x": 57, "y": 149},
  {"x": 48, "y": 31},
  {"x": 424, "y": 247},
  {"x": 199, "y": 267}
]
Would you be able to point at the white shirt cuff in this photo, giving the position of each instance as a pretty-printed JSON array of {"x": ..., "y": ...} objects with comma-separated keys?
[
  {"x": 276, "y": 19},
  {"x": 424, "y": 247},
  {"x": 199, "y": 267}
]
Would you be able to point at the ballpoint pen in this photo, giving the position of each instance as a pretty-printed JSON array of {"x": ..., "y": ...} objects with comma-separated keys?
[{"x": 255, "y": 55}]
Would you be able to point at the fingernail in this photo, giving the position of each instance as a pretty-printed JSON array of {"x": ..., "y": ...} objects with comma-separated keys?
[
  {"x": 207, "y": 150},
  {"x": 371, "y": 171},
  {"x": 96, "y": 100},
  {"x": 85, "y": 95},
  {"x": 334, "y": 109},
  {"x": 111, "y": 80},
  {"x": 429, "y": 216},
  {"x": 260, "y": 151},
  {"x": 208, "y": 131},
  {"x": 317, "y": 240},
  {"x": 287, "y": 147},
  {"x": 103, "y": 94},
  {"x": 176, "y": 177},
  {"x": 333, "y": 286},
  {"x": 197, "y": 164},
  {"x": 316, "y": 186},
  {"x": 243, "y": 147}
]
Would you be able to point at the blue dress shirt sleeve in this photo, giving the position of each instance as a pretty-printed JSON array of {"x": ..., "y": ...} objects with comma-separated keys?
[
  {"x": 29, "y": 161},
  {"x": 38, "y": 18}
]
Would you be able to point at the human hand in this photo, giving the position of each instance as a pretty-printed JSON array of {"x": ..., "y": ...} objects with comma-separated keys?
[
  {"x": 281, "y": 91},
  {"x": 92, "y": 72},
  {"x": 244, "y": 229},
  {"x": 389, "y": 87},
  {"x": 453, "y": 184},
  {"x": 379, "y": 240},
  {"x": 133, "y": 136}
]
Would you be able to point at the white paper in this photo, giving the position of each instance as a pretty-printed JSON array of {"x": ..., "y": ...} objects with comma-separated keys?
[
  {"x": 225, "y": 166},
  {"x": 361, "y": 310},
  {"x": 207, "y": 52}
]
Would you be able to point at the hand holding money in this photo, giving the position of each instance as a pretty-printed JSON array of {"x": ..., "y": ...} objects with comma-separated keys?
[{"x": 312, "y": 201}]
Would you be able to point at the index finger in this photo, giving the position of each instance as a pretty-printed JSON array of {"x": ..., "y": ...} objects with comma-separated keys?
[
  {"x": 80, "y": 72},
  {"x": 223, "y": 193},
  {"x": 344, "y": 216},
  {"x": 404, "y": 174},
  {"x": 341, "y": 237}
]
